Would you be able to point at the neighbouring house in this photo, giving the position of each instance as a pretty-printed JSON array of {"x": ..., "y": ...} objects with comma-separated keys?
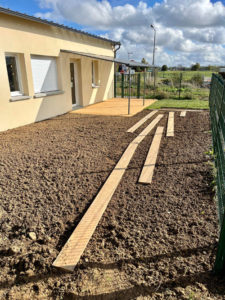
[{"x": 47, "y": 69}]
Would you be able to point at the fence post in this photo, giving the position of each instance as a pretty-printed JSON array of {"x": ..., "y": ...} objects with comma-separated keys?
[
  {"x": 138, "y": 85},
  {"x": 115, "y": 85},
  {"x": 180, "y": 85},
  {"x": 154, "y": 77},
  {"x": 122, "y": 86},
  {"x": 144, "y": 89},
  {"x": 129, "y": 92}
]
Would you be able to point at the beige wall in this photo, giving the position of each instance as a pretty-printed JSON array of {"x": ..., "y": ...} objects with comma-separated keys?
[{"x": 28, "y": 38}]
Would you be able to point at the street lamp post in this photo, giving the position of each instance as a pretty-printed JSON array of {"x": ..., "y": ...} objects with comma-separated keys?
[{"x": 153, "y": 54}]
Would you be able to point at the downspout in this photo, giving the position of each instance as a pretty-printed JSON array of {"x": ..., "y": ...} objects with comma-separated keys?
[{"x": 115, "y": 50}]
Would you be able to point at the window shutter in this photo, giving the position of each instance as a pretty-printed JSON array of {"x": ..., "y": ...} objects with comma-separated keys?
[{"x": 44, "y": 71}]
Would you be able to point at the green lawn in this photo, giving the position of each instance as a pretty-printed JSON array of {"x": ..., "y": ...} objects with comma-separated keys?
[{"x": 188, "y": 104}]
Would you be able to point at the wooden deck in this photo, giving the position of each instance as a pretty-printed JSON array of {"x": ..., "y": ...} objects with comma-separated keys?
[{"x": 114, "y": 107}]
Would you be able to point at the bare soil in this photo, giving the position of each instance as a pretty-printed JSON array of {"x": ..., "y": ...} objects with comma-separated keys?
[{"x": 154, "y": 241}]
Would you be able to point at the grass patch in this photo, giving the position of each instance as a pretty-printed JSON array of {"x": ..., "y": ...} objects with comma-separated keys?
[
  {"x": 186, "y": 93},
  {"x": 187, "y": 104},
  {"x": 186, "y": 74}
]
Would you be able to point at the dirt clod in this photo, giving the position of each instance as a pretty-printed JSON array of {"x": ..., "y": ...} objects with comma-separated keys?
[{"x": 32, "y": 235}]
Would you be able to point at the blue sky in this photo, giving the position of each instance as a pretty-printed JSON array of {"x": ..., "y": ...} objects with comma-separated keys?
[
  {"x": 32, "y": 6},
  {"x": 188, "y": 31}
]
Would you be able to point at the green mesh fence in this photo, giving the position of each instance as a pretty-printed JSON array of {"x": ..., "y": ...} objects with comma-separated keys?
[
  {"x": 217, "y": 116},
  {"x": 140, "y": 84}
]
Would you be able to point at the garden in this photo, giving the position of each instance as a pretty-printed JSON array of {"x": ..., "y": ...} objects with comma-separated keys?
[
  {"x": 154, "y": 241},
  {"x": 187, "y": 89}
]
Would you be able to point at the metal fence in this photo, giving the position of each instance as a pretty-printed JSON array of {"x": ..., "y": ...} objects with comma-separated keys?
[
  {"x": 184, "y": 85},
  {"x": 168, "y": 85},
  {"x": 217, "y": 116},
  {"x": 140, "y": 84}
]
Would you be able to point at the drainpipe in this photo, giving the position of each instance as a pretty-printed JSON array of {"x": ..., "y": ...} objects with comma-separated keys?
[{"x": 115, "y": 50}]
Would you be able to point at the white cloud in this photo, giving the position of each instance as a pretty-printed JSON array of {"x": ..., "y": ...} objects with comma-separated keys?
[
  {"x": 195, "y": 13},
  {"x": 100, "y": 15},
  {"x": 187, "y": 31},
  {"x": 214, "y": 35}
]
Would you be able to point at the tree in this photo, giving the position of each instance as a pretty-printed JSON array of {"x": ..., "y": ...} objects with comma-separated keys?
[
  {"x": 210, "y": 68},
  {"x": 213, "y": 68},
  {"x": 180, "y": 67},
  {"x": 164, "y": 68},
  {"x": 195, "y": 67},
  {"x": 144, "y": 61}
]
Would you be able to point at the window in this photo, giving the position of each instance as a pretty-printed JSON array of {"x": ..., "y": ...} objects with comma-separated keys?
[
  {"x": 94, "y": 71},
  {"x": 13, "y": 74},
  {"x": 44, "y": 71}
]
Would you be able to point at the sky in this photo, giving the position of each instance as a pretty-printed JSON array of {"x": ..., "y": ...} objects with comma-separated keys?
[{"x": 187, "y": 31}]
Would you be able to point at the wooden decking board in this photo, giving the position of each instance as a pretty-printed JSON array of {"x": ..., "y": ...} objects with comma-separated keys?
[
  {"x": 142, "y": 121},
  {"x": 149, "y": 165},
  {"x": 76, "y": 244},
  {"x": 114, "y": 107},
  {"x": 170, "y": 124},
  {"x": 183, "y": 114}
]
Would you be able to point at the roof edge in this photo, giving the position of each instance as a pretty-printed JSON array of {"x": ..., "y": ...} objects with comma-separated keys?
[
  {"x": 51, "y": 23},
  {"x": 109, "y": 59}
]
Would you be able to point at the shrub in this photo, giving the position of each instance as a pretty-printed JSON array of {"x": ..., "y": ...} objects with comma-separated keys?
[
  {"x": 188, "y": 96},
  {"x": 174, "y": 90},
  {"x": 176, "y": 79},
  {"x": 188, "y": 85},
  {"x": 159, "y": 95},
  {"x": 197, "y": 79},
  {"x": 166, "y": 81}
]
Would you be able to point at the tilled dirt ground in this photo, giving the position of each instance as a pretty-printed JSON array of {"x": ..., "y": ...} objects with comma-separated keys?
[{"x": 154, "y": 241}]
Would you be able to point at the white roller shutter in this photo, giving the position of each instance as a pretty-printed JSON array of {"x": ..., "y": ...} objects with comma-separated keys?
[{"x": 44, "y": 71}]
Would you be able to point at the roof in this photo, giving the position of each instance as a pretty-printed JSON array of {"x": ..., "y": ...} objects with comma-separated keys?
[
  {"x": 132, "y": 63},
  {"x": 109, "y": 58},
  {"x": 44, "y": 21}
]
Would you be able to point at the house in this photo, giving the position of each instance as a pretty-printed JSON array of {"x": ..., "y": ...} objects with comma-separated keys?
[{"x": 48, "y": 69}]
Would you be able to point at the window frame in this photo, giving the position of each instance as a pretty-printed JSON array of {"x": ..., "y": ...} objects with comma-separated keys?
[
  {"x": 95, "y": 74},
  {"x": 19, "y": 76}
]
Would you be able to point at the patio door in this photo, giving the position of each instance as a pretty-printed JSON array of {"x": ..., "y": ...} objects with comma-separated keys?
[{"x": 74, "y": 83}]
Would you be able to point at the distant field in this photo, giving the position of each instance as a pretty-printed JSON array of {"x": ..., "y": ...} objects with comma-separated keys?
[{"x": 186, "y": 74}]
